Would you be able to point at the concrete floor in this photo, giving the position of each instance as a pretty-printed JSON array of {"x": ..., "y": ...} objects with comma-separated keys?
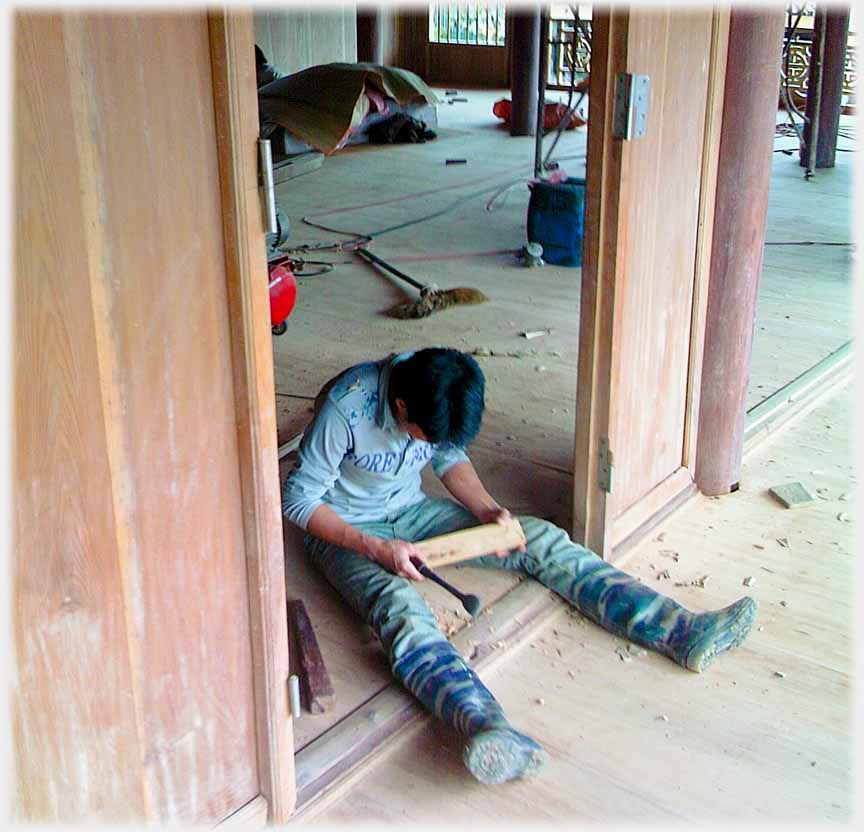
[{"x": 525, "y": 450}]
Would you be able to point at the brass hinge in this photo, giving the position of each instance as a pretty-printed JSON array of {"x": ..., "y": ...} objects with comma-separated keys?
[{"x": 607, "y": 467}]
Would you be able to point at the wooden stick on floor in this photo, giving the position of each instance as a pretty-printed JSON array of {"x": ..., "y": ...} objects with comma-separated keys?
[
  {"x": 315, "y": 684},
  {"x": 470, "y": 543}
]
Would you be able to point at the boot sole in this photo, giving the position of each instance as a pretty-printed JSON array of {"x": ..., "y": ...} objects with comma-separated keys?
[
  {"x": 739, "y": 626},
  {"x": 495, "y": 757}
]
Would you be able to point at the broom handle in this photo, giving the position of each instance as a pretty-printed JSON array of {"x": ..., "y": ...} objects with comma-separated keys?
[{"x": 372, "y": 258}]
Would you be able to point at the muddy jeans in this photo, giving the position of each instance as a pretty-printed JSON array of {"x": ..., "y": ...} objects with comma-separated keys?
[{"x": 403, "y": 622}]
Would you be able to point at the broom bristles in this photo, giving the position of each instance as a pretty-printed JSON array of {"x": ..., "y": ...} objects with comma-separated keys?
[{"x": 435, "y": 301}]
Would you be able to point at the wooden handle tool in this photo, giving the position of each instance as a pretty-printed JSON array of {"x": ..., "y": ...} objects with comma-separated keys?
[{"x": 471, "y": 603}]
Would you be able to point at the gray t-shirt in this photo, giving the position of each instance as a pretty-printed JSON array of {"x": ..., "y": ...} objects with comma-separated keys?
[{"x": 355, "y": 458}]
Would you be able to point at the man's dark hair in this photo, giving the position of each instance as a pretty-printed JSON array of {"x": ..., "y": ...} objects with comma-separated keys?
[{"x": 443, "y": 393}]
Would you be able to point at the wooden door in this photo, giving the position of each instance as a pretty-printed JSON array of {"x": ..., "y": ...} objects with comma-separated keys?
[
  {"x": 647, "y": 244},
  {"x": 151, "y": 656}
]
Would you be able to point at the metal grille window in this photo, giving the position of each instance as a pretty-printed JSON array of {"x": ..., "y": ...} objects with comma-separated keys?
[
  {"x": 477, "y": 24},
  {"x": 795, "y": 68},
  {"x": 569, "y": 44}
]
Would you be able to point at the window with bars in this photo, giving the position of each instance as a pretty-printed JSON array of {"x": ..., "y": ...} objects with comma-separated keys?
[
  {"x": 476, "y": 24},
  {"x": 569, "y": 44}
]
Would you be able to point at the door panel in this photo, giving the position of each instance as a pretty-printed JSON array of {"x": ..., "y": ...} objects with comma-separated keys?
[
  {"x": 135, "y": 693},
  {"x": 66, "y": 571},
  {"x": 660, "y": 219},
  {"x": 647, "y": 220}
]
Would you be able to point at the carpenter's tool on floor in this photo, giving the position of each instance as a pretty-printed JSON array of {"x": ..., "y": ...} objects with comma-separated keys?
[
  {"x": 315, "y": 681},
  {"x": 432, "y": 299},
  {"x": 471, "y": 603},
  {"x": 471, "y": 543}
]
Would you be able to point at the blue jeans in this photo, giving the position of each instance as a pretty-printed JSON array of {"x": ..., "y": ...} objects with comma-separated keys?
[
  {"x": 397, "y": 612},
  {"x": 613, "y": 599},
  {"x": 431, "y": 668}
]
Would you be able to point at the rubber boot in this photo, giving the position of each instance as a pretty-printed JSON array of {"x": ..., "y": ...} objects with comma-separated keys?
[
  {"x": 621, "y": 604},
  {"x": 440, "y": 678}
]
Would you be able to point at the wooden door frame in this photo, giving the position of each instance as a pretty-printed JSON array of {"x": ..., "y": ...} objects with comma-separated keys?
[
  {"x": 602, "y": 273},
  {"x": 236, "y": 124}
]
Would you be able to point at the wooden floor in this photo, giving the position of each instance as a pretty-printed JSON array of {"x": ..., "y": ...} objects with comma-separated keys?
[
  {"x": 525, "y": 450},
  {"x": 763, "y": 736}
]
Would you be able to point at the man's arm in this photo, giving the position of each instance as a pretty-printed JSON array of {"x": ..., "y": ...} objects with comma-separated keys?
[
  {"x": 322, "y": 450},
  {"x": 462, "y": 482},
  {"x": 393, "y": 555}
]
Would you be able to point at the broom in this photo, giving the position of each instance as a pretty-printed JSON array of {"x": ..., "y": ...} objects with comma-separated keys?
[{"x": 432, "y": 299}]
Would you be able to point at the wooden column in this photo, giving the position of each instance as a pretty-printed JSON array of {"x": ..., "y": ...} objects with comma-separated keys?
[
  {"x": 369, "y": 46},
  {"x": 749, "y": 116},
  {"x": 836, "y": 24},
  {"x": 524, "y": 69}
]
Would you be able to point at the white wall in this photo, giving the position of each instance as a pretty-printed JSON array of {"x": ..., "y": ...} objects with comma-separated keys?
[{"x": 296, "y": 37}]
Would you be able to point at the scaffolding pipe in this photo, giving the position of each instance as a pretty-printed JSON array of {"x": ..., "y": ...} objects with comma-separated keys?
[
  {"x": 541, "y": 90},
  {"x": 814, "y": 90}
]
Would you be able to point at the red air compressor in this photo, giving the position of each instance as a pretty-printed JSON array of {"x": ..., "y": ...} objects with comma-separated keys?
[{"x": 283, "y": 293}]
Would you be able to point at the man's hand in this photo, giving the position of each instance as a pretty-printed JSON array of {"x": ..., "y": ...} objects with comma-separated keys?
[
  {"x": 395, "y": 556},
  {"x": 497, "y": 514}
]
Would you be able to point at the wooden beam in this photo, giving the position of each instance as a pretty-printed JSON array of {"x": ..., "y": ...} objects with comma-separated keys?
[
  {"x": 470, "y": 543},
  {"x": 315, "y": 684},
  {"x": 705, "y": 234},
  {"x": 606, "y": 166},
  {"x": 798, "y": 396},
  {"x": 235, "y": 101}
]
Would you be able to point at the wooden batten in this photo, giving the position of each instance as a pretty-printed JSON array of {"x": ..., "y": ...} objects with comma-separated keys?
[
  {"x": 705, "y": 236},
  {"x": 456, "y": 547},
  {"x": 231, "y": 41},
  {"x": 604, "y": 170}
]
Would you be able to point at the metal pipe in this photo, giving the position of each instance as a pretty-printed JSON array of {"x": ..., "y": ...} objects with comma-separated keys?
[
  {"x": 814, "y": 86},
  {"x": 271, "y": 225},
  {"x": 541, "y": 90}
]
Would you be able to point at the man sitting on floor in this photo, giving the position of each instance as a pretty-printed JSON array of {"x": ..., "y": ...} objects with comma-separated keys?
[{"x": 356, "y": 491}]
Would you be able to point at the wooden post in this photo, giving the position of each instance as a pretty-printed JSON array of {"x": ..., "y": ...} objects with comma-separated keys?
[
  {"x": 369, "y": 46},
  {"x": 746, "y": 143},
  {"x": 524, "y": 69},
  {"x": 835, "y": 24}
]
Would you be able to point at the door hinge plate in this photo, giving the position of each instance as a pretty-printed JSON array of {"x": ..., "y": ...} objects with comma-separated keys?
[
  {"x": 631, "y": 105},
  {"x": 605, "y": 474}
]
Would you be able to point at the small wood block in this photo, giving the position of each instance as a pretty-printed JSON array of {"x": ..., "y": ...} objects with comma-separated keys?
[
  {"x": 470, "y": 543},
  {"x": 791, "y": 495},
  {"x": 315, "y": 681}
]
